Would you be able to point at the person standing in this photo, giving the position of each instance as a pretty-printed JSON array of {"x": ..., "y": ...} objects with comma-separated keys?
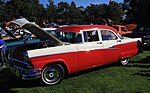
[{"x": 2, "y": 51}]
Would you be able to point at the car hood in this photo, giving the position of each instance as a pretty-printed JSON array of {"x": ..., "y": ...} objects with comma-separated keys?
[
  {"x": 8, "y": 32},
  {"x": 37, "y": 31}
]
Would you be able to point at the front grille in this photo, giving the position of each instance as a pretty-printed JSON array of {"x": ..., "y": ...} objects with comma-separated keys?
[
  {"x": 20, "y": 64},
  {"x": 24, "y": 70}
]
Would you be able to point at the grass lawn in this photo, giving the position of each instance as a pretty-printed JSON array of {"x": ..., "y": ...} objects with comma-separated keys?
[{"x": 133, "y": 78}]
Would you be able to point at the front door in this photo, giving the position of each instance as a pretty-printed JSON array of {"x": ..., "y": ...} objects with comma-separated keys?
[{"x": 90, "y": 51}]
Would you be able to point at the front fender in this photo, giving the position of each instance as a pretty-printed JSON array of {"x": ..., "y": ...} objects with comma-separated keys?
[{"x": 42, "y": 64}]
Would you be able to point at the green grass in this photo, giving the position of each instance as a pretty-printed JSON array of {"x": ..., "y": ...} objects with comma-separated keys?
[{"x": 133, "y": 78}]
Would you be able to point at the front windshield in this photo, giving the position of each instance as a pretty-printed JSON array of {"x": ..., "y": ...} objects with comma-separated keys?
[{"x": 69, "y": 37}]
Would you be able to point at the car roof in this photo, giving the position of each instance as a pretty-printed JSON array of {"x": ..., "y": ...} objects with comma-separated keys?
[{"x": 78, "y": 28}]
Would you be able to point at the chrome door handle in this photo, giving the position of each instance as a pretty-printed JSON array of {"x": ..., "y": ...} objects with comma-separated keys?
[
  {"x": 118, "y": 40},
  {"x": 99, "y": 42}
]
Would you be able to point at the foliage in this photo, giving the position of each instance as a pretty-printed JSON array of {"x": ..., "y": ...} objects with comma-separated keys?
[
  {"x": 51, "y": 11},
  {"x": 138, "y": 11},
  {"x": 115, "y": 12},
  {"x": 63, "y": 12}
]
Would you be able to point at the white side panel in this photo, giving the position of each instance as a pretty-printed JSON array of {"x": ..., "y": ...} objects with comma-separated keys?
[
  {"x": 111, "y": 43},
  {"x": 89, "y": 46},
  {"x": 128, "y": 40},
  {"x": 52, "y": 50}
]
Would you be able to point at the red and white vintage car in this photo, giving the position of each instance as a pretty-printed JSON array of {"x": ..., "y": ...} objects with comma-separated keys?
[{"x": 71, "y": 49}]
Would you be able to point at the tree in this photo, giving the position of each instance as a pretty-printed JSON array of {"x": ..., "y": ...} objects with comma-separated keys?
[
  {"x": 30, "y": 9},
  {"x": 138, "y": 12},
  {"x": 2, "y": 10},
  {"x": 51, "y": 11},
  {"x": 62, "y": 12},
  {"x": 81, "y": 15},
  {"x": 115, "y": 12},
  {"x": 94, "y": 13},
  {"x": 74, "y": 14}
]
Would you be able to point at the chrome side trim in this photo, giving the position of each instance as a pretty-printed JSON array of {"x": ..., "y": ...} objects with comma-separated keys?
[{"x": 85, "y": 50}]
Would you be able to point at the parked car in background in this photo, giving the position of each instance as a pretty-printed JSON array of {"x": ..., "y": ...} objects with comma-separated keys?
[
  {"x": 50, "y": 30},
  {"x": 130, "y": 27},
  {"x": 121, "y": 29},
  {"x": 141, "y": 32},
  {"x": 75, "y": 48},
  {"x": 20, "y": 37}
]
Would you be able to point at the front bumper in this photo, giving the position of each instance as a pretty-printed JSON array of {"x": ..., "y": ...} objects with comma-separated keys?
[
  {"x": 23, "y": 70},
  {"x": 26, "y": 74}
]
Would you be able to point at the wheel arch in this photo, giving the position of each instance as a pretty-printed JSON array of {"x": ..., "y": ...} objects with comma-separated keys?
[{"x": 66, "y": 68}]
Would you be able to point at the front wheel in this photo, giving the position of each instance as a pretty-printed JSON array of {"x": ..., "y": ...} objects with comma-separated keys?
[
  {"x": 53, "y": 74},
  {"x": 124, "y": 61}
]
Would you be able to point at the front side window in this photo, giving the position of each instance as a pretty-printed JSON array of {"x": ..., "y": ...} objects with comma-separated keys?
[
  {"x": 108, "y": 35},
  {"x": 90, "y": 36},
  {"x": 69, "y": 37}
]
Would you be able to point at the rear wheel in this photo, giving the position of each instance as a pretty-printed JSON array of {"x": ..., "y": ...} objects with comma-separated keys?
[
  {"x": 124, "y": 61},
  {"x": 53, "y": 74}
]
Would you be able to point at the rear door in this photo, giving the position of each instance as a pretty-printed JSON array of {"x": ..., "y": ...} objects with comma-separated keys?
[{"x": 112, "y": 46}]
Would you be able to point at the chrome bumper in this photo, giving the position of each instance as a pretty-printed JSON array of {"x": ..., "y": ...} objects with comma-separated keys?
[
  {"x": 24, "y": 70},
  {"x": 26, "y": 74}
]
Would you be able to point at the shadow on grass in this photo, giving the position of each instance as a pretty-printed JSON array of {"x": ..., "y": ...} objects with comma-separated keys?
[
  {"x": 143, "y": 64},
  {"x": 145, "y": 73},
  {"x": 93, "y": 69},
  {"x": 8, "y": 81},
  {"x": 146, "y": 48}
]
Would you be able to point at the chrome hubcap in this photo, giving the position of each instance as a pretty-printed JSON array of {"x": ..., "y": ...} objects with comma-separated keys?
[
  {"x": 124, "y": 61},
  {"x": 52, "y": 74}
]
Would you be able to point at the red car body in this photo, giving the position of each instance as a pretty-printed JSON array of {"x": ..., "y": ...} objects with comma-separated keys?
[{"x": 76, "y": 48}]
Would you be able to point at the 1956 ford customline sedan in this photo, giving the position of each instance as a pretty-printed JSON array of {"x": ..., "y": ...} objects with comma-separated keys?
[{"x": 69, "y": 50}]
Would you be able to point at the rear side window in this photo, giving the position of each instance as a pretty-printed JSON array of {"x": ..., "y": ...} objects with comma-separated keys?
[
  {"x": 108, "y": 35},
  {"x": 90, "y": 36}
]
